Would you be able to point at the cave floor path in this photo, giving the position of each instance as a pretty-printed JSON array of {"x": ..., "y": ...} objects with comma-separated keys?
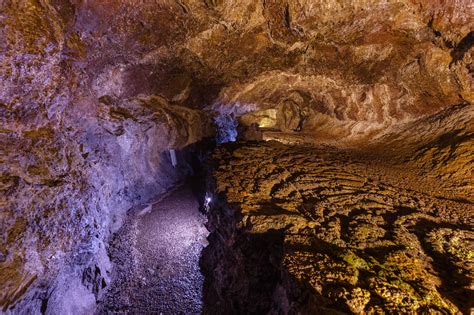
[{"x": 156, "y": 259}]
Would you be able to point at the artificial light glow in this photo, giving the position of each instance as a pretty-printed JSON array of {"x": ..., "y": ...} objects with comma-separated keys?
[{"x": 207, "y": 201}]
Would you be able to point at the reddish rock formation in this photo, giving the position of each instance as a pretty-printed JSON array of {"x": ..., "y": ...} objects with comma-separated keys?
[{"x": 92, "y": 94}]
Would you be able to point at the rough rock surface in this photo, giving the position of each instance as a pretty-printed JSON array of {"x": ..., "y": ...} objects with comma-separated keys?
[
  {"x": 92, "y": 94},
  {"x": 437, "y": 147},
  {"x": 320, "y": 230},
  {"x": 65, "y": 195}
]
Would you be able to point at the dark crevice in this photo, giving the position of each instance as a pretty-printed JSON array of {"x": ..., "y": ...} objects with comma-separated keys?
[
  {"x": 430, "y": 25},
  {"x": 44, "y": 305},
  {"x": 463, "y": 47},
  {"x": 287, "y": 16},
  {"x": 454, "y": 284}
]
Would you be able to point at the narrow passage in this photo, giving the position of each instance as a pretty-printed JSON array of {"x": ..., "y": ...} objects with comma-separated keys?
[{"x": 156, "y": 259}]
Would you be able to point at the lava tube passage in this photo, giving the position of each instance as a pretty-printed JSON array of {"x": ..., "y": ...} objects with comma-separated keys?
[{"x": 236, "y": 157}]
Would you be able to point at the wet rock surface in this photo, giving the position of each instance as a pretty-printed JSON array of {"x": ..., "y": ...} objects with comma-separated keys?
[
  {"x": 319, "y": 230},
  {"x": 156, "y": 259}
]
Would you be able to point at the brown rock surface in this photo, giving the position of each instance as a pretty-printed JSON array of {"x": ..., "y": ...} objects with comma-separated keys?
[
  {"x": 93, "y": 93},
  {"x": 320, "y": 230}
]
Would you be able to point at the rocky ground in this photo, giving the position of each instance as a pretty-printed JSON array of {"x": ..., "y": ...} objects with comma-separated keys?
[
  {"x": 94, "y": 93},
  {"x": 156, "y": 259},
  {"x": 302, "y": 229}
]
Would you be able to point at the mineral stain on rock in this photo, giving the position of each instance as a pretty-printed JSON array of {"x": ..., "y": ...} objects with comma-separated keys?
[{"x": 349, "y": 188}]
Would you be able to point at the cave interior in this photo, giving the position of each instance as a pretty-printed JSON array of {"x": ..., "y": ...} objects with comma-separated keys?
[{"x": 237, "y": 157}]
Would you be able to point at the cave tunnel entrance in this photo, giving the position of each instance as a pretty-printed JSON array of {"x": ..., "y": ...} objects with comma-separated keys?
[
  {"x": 161, "y": 261},
  {"x": 201, "y": 250},
  {"x": 156, "y": 253}
]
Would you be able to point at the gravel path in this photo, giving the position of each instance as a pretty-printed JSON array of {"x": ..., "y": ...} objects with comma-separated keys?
[{"x": 156, "y": 259}]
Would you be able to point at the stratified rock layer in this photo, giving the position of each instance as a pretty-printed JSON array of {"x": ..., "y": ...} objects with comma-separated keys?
[{"x": 321, "y": 230}]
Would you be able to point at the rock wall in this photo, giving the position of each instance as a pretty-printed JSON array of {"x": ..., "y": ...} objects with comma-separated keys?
[
  {"x": 75, "y": 158},
  {"x": 93, "y": 92},
  {"x": 73, "y": 188}
]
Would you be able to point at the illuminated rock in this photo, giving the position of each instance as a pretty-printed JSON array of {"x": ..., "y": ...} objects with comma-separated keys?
[{"x": 94, "y": 93}]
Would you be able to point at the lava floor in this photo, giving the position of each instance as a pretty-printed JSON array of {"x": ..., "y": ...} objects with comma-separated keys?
[{"x": 156, "y": 259}]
